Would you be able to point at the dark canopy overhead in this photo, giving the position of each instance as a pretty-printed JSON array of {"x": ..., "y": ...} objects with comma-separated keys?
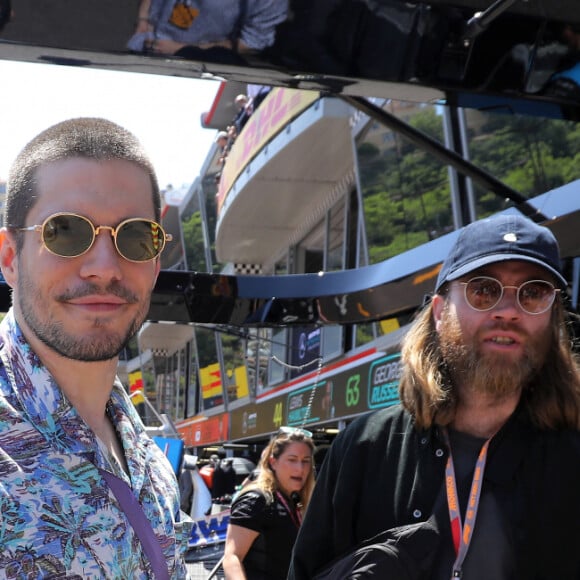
[
  {"x": 510, "y": 55},
  {"x": 392, "y": 288},
  {"x": 476, "y": 53}
]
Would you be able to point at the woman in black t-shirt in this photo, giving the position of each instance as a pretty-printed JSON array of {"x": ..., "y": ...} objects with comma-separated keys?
[{"x": 267, "y": 513}]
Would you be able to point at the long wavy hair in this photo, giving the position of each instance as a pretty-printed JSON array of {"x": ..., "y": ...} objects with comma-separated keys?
[
  {"x": 267, "y": 481},
  {"x": 552, "y": 397}
]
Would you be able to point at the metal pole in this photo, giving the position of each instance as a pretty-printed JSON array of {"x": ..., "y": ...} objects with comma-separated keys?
[{"x": 214, "y": 571}]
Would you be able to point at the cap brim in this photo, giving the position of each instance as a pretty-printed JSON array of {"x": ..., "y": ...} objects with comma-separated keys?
[{"x": 493, "y": 259}]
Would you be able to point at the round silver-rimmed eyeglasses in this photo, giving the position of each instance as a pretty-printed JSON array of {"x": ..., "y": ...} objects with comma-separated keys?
[{"x": 483, "y": 293}]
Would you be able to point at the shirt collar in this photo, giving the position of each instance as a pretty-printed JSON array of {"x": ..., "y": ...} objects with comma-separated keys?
[{"x": 42, "y": 402}]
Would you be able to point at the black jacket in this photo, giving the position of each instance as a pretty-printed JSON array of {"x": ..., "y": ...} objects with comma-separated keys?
[{"x": 381, "y": 472}]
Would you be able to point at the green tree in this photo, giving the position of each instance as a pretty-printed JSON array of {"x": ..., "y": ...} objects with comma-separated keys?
[{"x": 194, "y": 243}]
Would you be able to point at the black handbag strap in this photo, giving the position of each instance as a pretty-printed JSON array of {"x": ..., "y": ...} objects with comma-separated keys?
[{"x": 140, "y": 524}]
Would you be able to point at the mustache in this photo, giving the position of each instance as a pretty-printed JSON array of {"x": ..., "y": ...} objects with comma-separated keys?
[
  {"x": 506, "y": 326},
  {"x": 88, "y": 289}
]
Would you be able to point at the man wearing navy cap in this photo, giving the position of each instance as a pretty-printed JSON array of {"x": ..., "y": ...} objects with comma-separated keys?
[{"x": 485, "y": 444}]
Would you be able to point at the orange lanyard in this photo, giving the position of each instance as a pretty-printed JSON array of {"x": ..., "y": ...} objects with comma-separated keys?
[{"x": 463, "y": 532}]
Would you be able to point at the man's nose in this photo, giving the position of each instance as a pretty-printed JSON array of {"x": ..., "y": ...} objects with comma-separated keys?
[
  {"x": 102, "y": 260},
  {"x": 508, "y": 306}
]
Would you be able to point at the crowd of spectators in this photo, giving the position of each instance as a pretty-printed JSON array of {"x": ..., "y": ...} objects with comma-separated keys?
[{"x": 245, "y": 104}]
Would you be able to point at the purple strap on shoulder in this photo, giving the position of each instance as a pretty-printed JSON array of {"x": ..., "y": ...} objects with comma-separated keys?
[{"x": 141, "y": 525}]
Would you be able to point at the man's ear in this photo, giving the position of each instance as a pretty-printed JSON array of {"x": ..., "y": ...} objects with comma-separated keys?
[
  {"x": 8, "y": 257},
  {"x": 437, "y": 306}
]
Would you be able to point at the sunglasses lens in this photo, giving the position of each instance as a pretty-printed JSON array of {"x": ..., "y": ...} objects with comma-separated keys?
[
  {"x": 140, "y": 240},
  {"x": 67, "y": 235},
  {"x": 483, "y": 293},
  {"x": 295, "y": 430}
]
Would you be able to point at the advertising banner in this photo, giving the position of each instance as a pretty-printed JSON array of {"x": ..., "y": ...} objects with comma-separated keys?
[{"x": 359, "y": 388}]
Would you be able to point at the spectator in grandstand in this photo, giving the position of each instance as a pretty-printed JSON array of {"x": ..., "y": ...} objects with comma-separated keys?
[
  {"x": 81, "y": 254},
  {"x": 232, "y": 134},
  {"x": 243, "y": 105},
  {"x": 256, "y": 94},
  {"x": 224, "y": 143},
  {"x": 490, "y": 394},
  {"x": 193, "y": 28},
  {"x": 267, "y": 513},
  {"x": 222, "y": 140}
]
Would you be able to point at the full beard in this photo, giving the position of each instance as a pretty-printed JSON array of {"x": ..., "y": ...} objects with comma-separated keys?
[
  {"x": 495, "y": 374},
  {"x": 98, "y": 346}
]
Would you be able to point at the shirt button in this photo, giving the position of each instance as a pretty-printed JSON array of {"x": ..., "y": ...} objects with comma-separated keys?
[
  {"x": 424, "y": 441},
  {"x": 417, "y": 514},
  {"x": 439, "y": 453}
]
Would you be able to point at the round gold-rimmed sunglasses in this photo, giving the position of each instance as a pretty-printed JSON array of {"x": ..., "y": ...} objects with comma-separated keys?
[
  {"x": 483, "y": 293},
  {"x": 70, "y": 235}
]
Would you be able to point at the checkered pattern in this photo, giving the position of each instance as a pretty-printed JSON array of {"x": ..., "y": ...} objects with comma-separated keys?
[
  {"x": 160, "y": 351},
  {"x": 248, "y": 269}
]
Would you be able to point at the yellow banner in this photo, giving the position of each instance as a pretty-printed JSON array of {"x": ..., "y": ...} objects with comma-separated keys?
[
  {"x": 135, "y": 381},
  {"x": 389, "y": 325},
  {"x": 211, "y": 381},
  {"x": 241, "y": 378},
  {"x": 137, "y": 398}
]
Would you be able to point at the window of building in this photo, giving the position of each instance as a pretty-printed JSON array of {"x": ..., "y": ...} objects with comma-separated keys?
[
  {"x": 258, "y": 353},
  {"x": 530, "y": 154},
  {"x": 211, "y": 382},
  {"x": 235, "y": 379},
  {"x": 277, "y": 371},
  {"x": 404, "y": 190}
]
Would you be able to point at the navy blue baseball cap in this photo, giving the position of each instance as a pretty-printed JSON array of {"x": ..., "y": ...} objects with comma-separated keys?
[{"x": 500, "y": 238}]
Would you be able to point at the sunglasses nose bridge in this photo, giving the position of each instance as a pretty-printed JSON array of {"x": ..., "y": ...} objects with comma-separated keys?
[
  {"x": 112, "y": 230},
  {"x": 97, "y": 230}
]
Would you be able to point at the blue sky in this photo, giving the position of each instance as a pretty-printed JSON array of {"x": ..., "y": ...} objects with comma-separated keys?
[{"x": 164, "y": 112}]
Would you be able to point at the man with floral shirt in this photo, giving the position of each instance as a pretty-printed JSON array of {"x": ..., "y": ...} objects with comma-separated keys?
[{"x": 81, "y": 254}]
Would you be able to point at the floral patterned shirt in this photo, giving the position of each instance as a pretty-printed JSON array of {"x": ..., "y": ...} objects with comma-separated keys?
[{"x": 58, "y": 517}]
